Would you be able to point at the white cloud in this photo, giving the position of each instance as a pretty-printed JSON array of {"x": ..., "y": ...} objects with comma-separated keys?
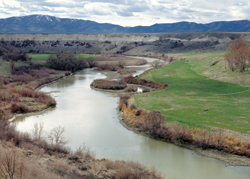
[{"x": 132, "y": 12}]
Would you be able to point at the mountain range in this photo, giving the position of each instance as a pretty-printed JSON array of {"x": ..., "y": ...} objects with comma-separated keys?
[{"x": 51, "y": 24}]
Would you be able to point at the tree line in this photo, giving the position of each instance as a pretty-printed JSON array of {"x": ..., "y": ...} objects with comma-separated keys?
[{"x": 69, "y": 62}]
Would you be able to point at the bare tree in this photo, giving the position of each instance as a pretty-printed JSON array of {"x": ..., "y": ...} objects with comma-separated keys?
[
  {"x": 56, "y": 136},
  {"x": 8, "y": 164},
  {"x": 84, "y": 151},
  {"x": 218, "y": 140},
  {"x": 156, "y": 63},
  {"x": 92, "y": 62},
  {"x": 12, "y": 65},
  {"x": 121, "y": 64},
  {"x": 1, "y": 82},
  {"x": 38, "y": 131},
  {"x": 238, "y": 54}
]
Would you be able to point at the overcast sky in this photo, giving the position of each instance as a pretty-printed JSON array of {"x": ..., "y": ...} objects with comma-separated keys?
[{"x": 131, "y": 12}]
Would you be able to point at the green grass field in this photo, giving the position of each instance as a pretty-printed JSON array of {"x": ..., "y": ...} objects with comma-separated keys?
[
  {"x": 36, "y": 59},
  {"x": 45, "y": 56},
  {"x": 42, "y": 58},
  {"x": 5, "y": 67},
  {"x": 201, "y": 62},
  {"x": 189, "y": 93}
]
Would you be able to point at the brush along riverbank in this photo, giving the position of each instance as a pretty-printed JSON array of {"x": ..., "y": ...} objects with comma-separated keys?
[
  {"x": 19, "y": 96},
  {"x": 177, "y": 138},
  {"x": 32, "y": 156},
  {"x": 152, "y": 123},
  {"x": 71, "y": 166},
  {"x": 109, "y": 135}
]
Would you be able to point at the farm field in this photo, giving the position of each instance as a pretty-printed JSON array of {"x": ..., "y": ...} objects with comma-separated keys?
[
  {"x": 193, "y": 88},
  {"x": 41, "y": 58},
  {"x": 36, "y": 59},
  {"x": 5, "y": 67},
  {"x": 201, "y": 64}
]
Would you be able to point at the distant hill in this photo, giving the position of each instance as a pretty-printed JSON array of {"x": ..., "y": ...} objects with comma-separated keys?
[{"x": 51, "y": 24}]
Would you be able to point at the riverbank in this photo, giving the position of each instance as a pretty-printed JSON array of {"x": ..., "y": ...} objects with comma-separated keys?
[
  {"x": 100, "y": 129},
  {"x": 187, "y": 138},
  {"x": 57, "y": 164},
  {"x": 19, "y": 96},
  {"x": 227, "y": 158},
  {"x": 32, "y": 156}
]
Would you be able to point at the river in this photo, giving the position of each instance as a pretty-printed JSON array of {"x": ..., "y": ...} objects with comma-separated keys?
[{"x": 90, "y": 116}]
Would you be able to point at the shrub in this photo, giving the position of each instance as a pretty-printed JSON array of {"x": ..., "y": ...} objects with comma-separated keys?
[
  {"x": 68, "y": 61},
  {"x": 19, "y": 108},
  {"x": 121, "y": 64},
  {"x": 141, "y": 62},
  {"x": 157, "y": 63},
  {"x": 91, "y": 62},
  {"x": 171, "y": 59},
  {"x": 1, "y": 82},
  {"x": 132, "y": 106},
  {"x": 123, "y": 101},
  {"x": 154, "y": 124},
  {"x": 146, "y": 90},
  {"x": 138, "y": 113},
  {"x": 84, "y": 151},
  {"x": 214, "y": 63},
  {"x": 107, "y": 84},
  {"x": 131, "y": 89},
  {"x": 132, "y": 80}
]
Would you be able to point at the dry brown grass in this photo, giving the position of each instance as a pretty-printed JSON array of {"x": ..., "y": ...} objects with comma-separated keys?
[
  {"x": 113, "y": 59},
  {"x": 25, "y": 156},
  {"x": 130, "y": 169},
  {"x": 84, "y": 151},
  {"x": 18, "y": 95},
  {"x": 13, "y": 165},
  {"x": 14, "y": 101}
]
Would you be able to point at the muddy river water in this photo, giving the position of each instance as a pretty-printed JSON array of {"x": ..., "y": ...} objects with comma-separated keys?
[{"x": 90, "y": 116}]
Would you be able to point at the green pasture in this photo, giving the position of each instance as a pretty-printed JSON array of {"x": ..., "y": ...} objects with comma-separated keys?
[
  {"x": 5, "y": 67},
  {"x": 42, "y": 58},
  {"x": 45, "y": 56},
  {"x": 190, "y": 92},
  {"x": 201, "y": 64},
  {"x": 36, "y": 59}
]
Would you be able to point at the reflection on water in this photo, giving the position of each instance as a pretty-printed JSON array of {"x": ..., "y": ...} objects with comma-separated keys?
[{"x": 90, "y": 116}]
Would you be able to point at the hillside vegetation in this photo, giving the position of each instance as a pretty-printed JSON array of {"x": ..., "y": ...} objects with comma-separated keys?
[{"x": 196, "y": 100}]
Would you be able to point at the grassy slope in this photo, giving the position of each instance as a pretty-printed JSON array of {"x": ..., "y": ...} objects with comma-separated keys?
[
  {"x": 189, "y": 93},
  {"x": 201, "y": 64}
]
